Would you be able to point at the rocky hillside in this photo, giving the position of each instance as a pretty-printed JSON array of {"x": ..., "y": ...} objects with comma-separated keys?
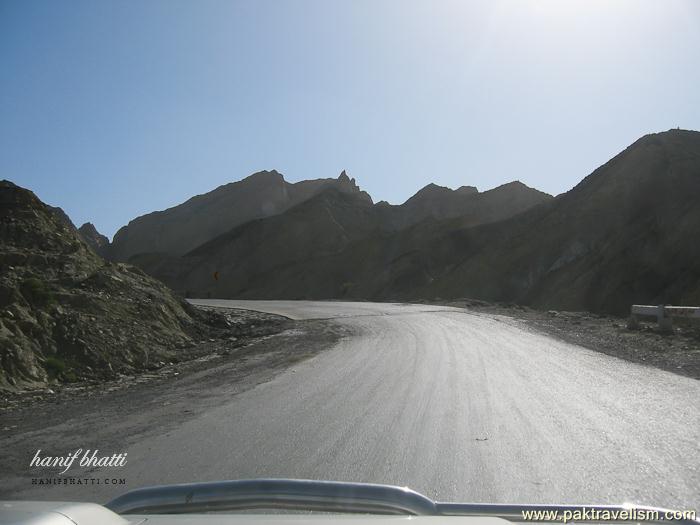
[
  {"x": 628, "y": 233},
  {"x": 65, "y": 313},
  {"x": 178, "y": 230}
]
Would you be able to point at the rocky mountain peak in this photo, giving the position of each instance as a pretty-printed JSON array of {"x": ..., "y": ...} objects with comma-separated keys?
[
  {"x": 657, "y": 159},
  {"x": 12, "y": 197},
  {"x": 30, "y": 228},
  {"x": 429, "y": 192},
  {"x": 265, "y": 177},
  {"x": 345, "y": 180},
  {"x": 348, "y": 184},
  {"x": 92, "y": 237},
  {"x": 466, "y": 190}
]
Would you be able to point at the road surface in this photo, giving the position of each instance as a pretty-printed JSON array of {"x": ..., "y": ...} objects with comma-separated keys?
[{"x": 455, "y": 404}]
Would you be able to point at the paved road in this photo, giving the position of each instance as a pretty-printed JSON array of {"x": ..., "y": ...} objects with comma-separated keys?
[{"x": 455, "y": 404}]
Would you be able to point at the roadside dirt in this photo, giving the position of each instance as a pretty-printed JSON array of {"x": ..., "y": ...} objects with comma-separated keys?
[
  {"x": 677, "y": 352},
  {"x": 112, "y": 414}
]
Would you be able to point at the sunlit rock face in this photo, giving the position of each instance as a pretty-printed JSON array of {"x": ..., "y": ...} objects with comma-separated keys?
[{"x": 66, "y": 313}]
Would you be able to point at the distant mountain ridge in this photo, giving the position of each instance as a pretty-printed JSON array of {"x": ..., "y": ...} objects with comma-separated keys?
[
  {"x": 179, "y": 229},
  {"x": 438, "y": 203},
  {"x": 254, "y": 257},
  {"x": 184, "y": 227}
]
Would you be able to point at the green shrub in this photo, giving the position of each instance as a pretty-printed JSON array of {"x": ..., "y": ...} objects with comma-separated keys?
[
  {"x": 36, "y": 292},
  {"x": 58, "y": 369},
  {"x": 54, "y": 366}
]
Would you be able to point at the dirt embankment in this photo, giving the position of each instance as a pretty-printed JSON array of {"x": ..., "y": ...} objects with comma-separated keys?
[
  {"x": 117, "y": 412},
  {"x": 244, "y": 342}
]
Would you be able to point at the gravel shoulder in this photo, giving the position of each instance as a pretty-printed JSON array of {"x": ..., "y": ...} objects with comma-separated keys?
[
  {"x": 677, "y": 352},
  {"x": 111, "y": 415}
]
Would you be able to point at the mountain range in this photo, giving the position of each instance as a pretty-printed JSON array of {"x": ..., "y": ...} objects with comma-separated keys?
[
  {"x": 626, "y": 233},
  {"x": 69, "y": 307},
  {"x": 305, "y": 252}
]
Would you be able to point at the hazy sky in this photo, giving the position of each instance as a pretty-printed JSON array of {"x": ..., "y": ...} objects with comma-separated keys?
[{"x": 114, "y": 109}]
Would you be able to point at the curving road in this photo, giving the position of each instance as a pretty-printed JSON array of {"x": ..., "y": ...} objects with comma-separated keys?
[{"x": 455, "y": 404}]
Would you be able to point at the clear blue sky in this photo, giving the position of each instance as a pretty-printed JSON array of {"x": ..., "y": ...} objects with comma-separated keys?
[{"x": 114, "y": 109}]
